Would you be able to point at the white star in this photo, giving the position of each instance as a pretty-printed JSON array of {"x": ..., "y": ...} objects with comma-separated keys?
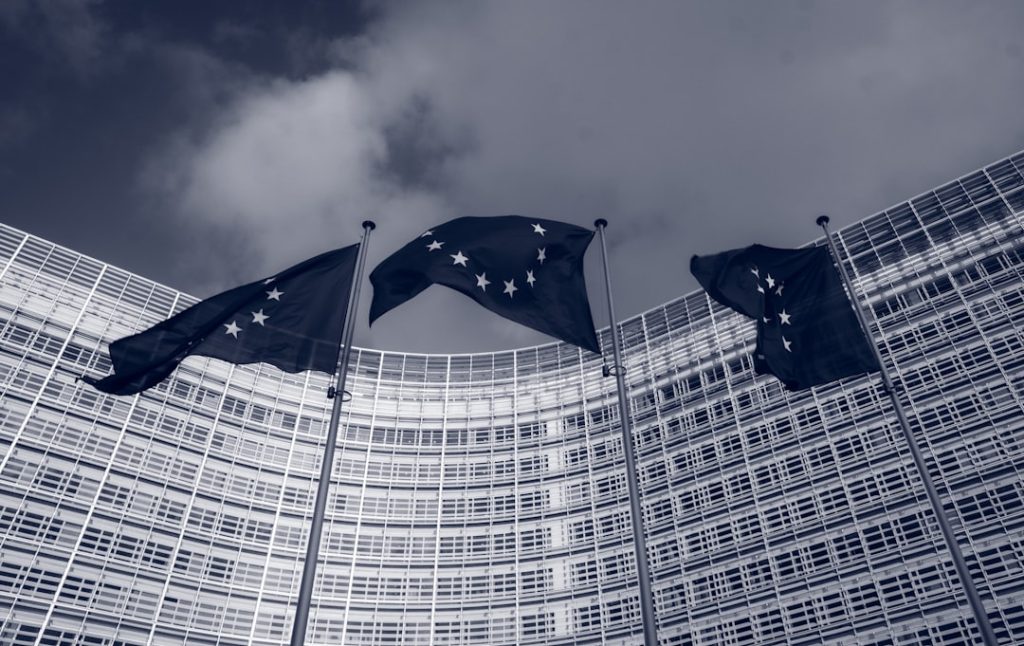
[
  {"x": 540, "y": 254},
  {"x": 786, "y": 344},
  {"x": 232, "y": 329},
  {"x": 510, "y": 287},
  {"x": 755, "y": 272},
  {"x": 427, "y": 234},
  {"x": 784, "y": 317},
  {"x": 770, "y": 281},
  {"x": 537, "y": 228},
  {"x": 766, "y": 319},
  {"x": 269, "y": 280},
  {"x": 529, "y": 277},
  {"x": 259, "y": 317},
  {"x": 459, "y": 259},
  {"x": 274, "y": 295},
  {"x": 760, "y": 289},
  {"x": 481, "y": 281},
  {"x": 435, "y": 245},
  {"x": 778, "y": 292}
]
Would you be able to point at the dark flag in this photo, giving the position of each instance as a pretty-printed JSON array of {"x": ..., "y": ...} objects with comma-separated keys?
[
  {"x": 525, "y": 269},
  {"x": 292, "y": 320},
  {"x": 807, "y": 331}
]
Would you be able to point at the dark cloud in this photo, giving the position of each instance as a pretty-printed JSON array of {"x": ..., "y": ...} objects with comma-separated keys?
[
  {"x": 16, "y": 124},
  {"x": 419, "y": 147},
  {"x": 77, "y": 141},
  {"x": 697, "y": 127},
  {"x": 272, "y": 131},
  {"x": 65, "y": 32},
  {"x": 284, "y": 39}
]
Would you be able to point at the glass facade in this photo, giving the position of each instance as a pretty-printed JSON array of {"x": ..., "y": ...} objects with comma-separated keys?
[{"x": 482, "y": 498}]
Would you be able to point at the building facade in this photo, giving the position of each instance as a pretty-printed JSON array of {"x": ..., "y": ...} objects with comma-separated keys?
[{"x": 482, "y": 498}]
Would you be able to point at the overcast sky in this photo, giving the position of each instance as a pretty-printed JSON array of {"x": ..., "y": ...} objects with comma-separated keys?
[{"x": 205, "y": 144}]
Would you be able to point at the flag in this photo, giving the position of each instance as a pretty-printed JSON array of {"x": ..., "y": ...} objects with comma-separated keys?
[
  {"x": 528, "y": 270},
  {"x": 292, "y": 320},
  {"x": 807, "y": 331}
]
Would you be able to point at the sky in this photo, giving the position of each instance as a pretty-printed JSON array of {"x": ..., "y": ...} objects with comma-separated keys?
[{"x": 207, "y": 144}]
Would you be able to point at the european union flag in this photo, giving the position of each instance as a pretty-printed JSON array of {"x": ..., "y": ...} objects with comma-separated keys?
[
  {"x": 528, "y": 270},
  {"x": 807, "y": 331},
  {"x": 292, "y": 320}
]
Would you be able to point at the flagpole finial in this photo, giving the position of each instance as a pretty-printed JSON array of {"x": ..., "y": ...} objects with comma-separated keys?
[
  {"x": 600, "y": 222},
  {"x": 822, "y": 220},
  {"x": 369, "y": 224}
]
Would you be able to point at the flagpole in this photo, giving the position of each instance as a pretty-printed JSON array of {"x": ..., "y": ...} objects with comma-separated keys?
[
  {"x": 980, "y": 616},
  {"x": 316, "y": 527},
  {"x": 639, "y": 543}
]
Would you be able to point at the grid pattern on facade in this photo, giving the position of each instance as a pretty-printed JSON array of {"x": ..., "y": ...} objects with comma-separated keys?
[{"x": 482, "y": 498}]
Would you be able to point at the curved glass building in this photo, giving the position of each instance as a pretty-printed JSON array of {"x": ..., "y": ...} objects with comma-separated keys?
[{"x": 482, "y": 499}]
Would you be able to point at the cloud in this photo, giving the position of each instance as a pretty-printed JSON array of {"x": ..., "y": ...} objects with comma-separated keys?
[
  {"x": 691, "y": 127},
  {"x": 66, "y": 31},
  {"x": 16, "y": 124},
  {"x": 295, "y": 166}
]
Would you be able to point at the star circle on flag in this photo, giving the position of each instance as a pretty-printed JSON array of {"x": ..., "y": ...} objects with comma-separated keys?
[
  {"x": 459, "y": 259},
  {"x": 510, "y": 287},
  {"x": 434, "y": 246},
  {"x": 274, "y": 295},
  {"x": 537, "y": 228},
  {"x": 784, "y": 318},
  {"x": 259, "y": 317},
  {"x": 481, "y": 281},
  {"x": 232, "y": 329},
  {"x": 541, "y": 254},
  {"x": 529, "y": 277}
]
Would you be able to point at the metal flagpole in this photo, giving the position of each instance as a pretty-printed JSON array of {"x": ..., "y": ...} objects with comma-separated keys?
[
  {"x": 980, "y": 616},
  {"x": 639, "y": 544},
  {"x": 315, "y": 529}
]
